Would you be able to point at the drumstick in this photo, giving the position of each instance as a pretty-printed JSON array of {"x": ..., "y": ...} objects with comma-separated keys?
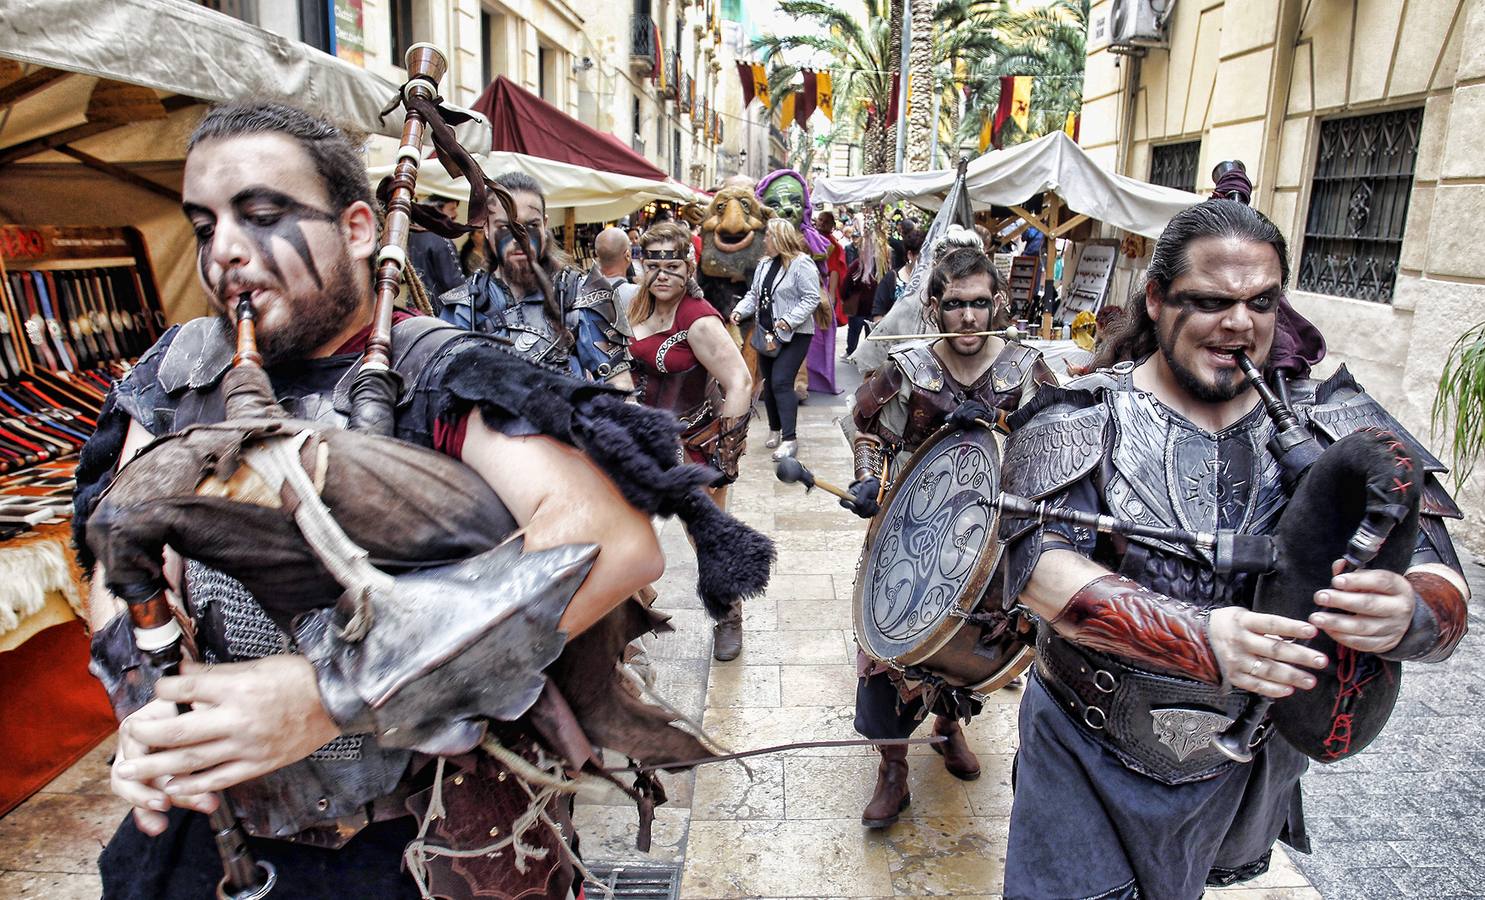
[
  {"x": 792, "y": 471},
  {"x": 1011, "y": 334}
]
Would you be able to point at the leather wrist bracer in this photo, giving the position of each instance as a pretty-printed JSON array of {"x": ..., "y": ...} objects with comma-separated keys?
[
  {"x": 1115, "y": 615},
  {"x": 731, "y": 443},
  {"x": 1440, "y": 619},
  {"x": 867, "y": 450}
]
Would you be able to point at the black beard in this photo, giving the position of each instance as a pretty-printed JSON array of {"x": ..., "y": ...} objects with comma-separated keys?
[
  {"x": 1221, "y": 392},
  {"x": 953, "y": 347},
  {"x": 315, "y": 319}
]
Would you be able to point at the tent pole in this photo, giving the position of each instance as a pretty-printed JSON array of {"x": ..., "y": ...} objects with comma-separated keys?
[
  {"x": 570, "y": 239},
  {"x": 120, "y": 173}
]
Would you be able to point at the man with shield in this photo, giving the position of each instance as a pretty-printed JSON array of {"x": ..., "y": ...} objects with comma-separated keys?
[
  {"x": 966, "y": 381},
  {"x": 1150, "y": 651}
]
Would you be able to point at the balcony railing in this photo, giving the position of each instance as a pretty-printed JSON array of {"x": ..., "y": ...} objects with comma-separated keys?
[
  {"x": 685, "y": 88},
  {"x": 642, "y": 44},
  {"x": 671, "y": 89}
]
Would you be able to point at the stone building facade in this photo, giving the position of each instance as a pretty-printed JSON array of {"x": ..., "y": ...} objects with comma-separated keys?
[
  {"x": 1362, "y": 123},
  {"x": 592, "y": 59}
]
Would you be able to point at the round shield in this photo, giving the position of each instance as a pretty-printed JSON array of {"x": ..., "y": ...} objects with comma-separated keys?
[{"x": 930, "y": 551}]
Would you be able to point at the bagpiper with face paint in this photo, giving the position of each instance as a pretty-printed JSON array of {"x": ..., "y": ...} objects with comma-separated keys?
[
  {"x": 582, "y": 329},
  {"x": 1148, "y": 649}
]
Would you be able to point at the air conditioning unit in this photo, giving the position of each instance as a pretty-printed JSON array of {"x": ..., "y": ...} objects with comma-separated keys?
[{"x": 1137, "y": 25}]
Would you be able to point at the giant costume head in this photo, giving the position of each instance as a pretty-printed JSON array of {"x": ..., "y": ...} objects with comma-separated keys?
[
  {"x": 732, "y": 234},
  {"x": 786, "y": 193}
]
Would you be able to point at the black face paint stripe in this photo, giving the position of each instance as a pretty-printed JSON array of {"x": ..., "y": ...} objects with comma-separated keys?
[{"x": 288, "y": 225}]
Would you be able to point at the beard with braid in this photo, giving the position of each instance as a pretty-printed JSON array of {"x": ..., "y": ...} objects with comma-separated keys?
[
  {"x": 1228, "y": 385},
  {"x": 315, "y": 317}
]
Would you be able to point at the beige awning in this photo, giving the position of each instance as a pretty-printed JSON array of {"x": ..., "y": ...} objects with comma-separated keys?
[
  {"x": 593, "y": 196},
  {"x": 1013, "y": 176},
  {"x": 97, "y": 100}
]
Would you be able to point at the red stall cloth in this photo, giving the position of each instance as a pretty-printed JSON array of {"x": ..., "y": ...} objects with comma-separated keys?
[
  {"x": 521, "y": 122},
  {"x": 53, "y": 710}
]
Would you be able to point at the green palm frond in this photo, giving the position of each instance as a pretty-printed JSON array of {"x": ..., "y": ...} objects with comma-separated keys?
[{"x": 1459, "y": 406}]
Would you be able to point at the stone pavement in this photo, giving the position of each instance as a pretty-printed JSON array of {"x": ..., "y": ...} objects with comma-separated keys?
[{"x": 1400, "y": 820}]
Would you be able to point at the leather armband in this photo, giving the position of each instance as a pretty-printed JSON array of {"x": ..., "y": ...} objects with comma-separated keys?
[
  {"x": 731, "y": 443},
  {"x": 1440, "y": 619},
  {"x": 1115, "y": 615},
  {"x": 867, "y": 450}
]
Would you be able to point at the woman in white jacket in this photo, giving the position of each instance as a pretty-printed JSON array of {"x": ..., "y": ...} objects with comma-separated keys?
[{"x": 784, "y": 295}]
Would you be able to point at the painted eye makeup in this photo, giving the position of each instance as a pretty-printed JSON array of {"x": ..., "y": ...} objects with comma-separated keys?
[{"x": 967, "y": 302}]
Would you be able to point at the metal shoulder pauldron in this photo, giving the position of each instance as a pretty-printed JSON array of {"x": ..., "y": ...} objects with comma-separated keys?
[{"x": 1055, "y": 440}]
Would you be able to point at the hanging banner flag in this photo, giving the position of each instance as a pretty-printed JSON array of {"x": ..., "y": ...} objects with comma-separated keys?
[
  {"x": 745, "y": 75},
  {"x": 986, "y": 130},
  {"x": 760, "y": 85},
  {"x": 1072, "y": 125},
  {"x": 786, "y": 111},
  {"x": 892, "y": 104},
  {"x": 826, "y": 94},
  {"x": 659, "y": 58},
  {"x": 1021, "y": 101},
  {"x": 805, "y": 106}
]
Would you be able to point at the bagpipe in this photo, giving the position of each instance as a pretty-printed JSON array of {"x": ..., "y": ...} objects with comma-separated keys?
[{"x": 306, "y": 514}]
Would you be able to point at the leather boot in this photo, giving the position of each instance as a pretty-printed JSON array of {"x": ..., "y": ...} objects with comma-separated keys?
[
  {"x": 727, "y": 636},
  {"x": 891, "y": 795},
  {"x": 958, "y": 758}
]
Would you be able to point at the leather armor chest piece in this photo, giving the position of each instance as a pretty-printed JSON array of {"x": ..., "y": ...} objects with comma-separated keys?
[
  {"x": 1165, "y": 471},
  {"x": 935, "y": 393}
]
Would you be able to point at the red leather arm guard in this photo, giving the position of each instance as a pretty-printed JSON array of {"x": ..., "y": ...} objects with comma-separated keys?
[
  {"x": 1440, "y": 619},
  {"x": 1115, "y": 615}
]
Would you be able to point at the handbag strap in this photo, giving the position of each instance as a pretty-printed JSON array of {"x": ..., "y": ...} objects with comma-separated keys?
[{"x": 765, "y": 295}]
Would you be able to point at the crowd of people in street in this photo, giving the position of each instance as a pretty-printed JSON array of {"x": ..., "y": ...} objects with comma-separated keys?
[{"x": 585, "y": 399}]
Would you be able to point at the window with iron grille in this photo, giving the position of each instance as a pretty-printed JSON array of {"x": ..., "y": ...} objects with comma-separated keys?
[
  {"x": 1174, "y": 165},
  {"x": 1359, "y": 204}
]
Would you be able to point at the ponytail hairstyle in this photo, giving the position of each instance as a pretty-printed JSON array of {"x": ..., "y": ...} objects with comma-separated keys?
[{"x": 1134, "y": 337}]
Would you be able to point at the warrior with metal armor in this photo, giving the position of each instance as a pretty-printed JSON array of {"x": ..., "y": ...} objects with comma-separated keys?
[
  {"x": 1128, "y": 783},
  {"x": 328, "y": 737},
  {"x": 967, "y": 382},
  {"x": 581, "y": 329}
]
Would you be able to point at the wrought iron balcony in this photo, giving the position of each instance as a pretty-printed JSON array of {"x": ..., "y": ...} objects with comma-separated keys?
[{"x": 641, "y": 44}]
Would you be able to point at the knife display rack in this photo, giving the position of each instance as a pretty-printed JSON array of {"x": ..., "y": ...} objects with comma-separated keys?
[{"x": 77, "y": 306}]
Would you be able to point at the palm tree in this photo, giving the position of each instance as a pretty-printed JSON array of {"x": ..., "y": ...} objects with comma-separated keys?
[
  {"x": 920, "y": 87},
  {"x": 969, "y": 43},
  {"x": 862, "y": 64},
  {"x": 1046, "y": 42}
]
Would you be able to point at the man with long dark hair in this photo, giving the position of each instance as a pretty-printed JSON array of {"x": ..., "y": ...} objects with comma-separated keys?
[
  {"x": 1144, "y": 650},
  {"x": 580, "y": 328}
]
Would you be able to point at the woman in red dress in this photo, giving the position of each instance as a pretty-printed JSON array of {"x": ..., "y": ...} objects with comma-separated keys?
[
  {"x": 686, "y": 362},
  {"x": 684, "y": 358}
]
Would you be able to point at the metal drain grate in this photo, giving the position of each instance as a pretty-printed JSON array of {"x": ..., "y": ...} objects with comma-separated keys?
[{"x": 633, "y": 882}]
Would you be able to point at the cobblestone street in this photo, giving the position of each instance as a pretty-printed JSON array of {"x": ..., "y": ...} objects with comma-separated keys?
[{"x": 1401, "y": 820}]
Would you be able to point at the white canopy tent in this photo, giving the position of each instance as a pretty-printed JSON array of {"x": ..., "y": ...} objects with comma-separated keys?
[
  {"x": 1007, "y": 178},
  {"x": 591, "y": 195},
  {"x": 97, "y": 100}
]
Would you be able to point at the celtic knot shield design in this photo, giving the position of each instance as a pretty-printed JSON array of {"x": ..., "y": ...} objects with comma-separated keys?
[{"x": 935, "y": 542}]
